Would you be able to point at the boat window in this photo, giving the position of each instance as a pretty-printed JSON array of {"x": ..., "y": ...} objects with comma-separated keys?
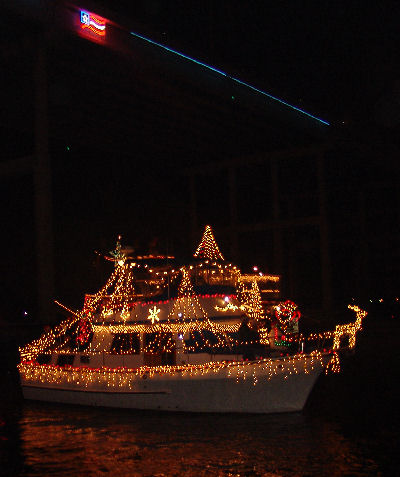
[
  {"x": 85, "y": 359},
  {"x": 65, "y": 359},
  {"x": 230, "y": 344},
  {"x": 126, "y": 343},
  {"x": 78, "y": 337},
  {"x": 159, "y": 342},
  {"x": 201, "y": 342},
  {"x": 207, "y": 342},
  {"x": 43, "y": 358}
]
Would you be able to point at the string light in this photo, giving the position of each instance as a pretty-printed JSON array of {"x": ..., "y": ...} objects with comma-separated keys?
[
  {"x": 254, "y": 306},
  {"x": 32, "y": 371},
  {"x": 264, "y": 336},
  {"x": 169, "y": 328},
  {"x": 350, "y": 329},
  {"x": 247, "y": 277},
  {"x": 123, "y": 377},
  {"x": 228, "y": 307},
  {"x": 112, "y": 316},
  {"x": 208, "y": 247}
]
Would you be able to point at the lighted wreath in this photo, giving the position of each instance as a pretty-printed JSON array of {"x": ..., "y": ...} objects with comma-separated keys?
[{"x": 287, "y": 313}]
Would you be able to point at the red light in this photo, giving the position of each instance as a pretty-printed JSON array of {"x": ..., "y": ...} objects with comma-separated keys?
[{"x": 91, "y": 26}]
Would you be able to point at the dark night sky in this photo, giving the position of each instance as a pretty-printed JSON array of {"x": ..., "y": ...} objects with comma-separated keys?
[{"x": 338, "y": 59}]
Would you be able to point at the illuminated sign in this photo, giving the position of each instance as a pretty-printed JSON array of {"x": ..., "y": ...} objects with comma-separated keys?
[{"x": 93, "y": 24}]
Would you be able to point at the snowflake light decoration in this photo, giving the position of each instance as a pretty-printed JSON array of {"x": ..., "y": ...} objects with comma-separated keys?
[{"x": 153, "y": 316}]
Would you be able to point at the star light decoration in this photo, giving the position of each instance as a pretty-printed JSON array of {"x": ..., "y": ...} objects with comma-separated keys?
[{"x": 153, "y": 316}]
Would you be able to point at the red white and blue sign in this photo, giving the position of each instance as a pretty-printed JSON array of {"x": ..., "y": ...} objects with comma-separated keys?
[{"x": 94, "y": 25}]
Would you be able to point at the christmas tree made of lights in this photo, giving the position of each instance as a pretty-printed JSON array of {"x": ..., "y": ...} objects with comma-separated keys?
[
  {"x": 251, "y": 301},
  {"x": 208, "y": 247},
  {"x": 187, "y": 308},
  {"x": 187, "y": 305},
  {"x": 255, "y": 308}
]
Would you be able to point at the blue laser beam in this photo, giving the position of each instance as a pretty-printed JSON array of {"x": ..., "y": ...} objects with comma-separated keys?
[{"x": 223, "y": 73}]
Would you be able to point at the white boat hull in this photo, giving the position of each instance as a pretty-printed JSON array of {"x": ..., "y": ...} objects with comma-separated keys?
[{"x": 241, "y": 389}]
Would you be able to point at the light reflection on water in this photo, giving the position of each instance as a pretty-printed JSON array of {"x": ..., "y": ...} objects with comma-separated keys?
[
  {"x": 66, "y": 440},
  {"x": 350, "y": 428}
]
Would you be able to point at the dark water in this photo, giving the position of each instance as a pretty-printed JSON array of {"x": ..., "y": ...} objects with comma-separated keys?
[
  {"x": 348, "y": 428},
  {"x": 63, "y": 441},
  {"x": 41, "y": 439}
]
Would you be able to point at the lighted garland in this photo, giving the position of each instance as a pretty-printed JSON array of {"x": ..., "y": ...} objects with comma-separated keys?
[
  {"x": 122, "y": 377},
  {"x": 48, "y": 340},
  {"x": 168, "y": 328},
  {"x": 250, "y": 278}
]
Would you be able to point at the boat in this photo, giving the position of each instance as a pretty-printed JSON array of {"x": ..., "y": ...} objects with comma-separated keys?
[{"x": 199, "y": 336}]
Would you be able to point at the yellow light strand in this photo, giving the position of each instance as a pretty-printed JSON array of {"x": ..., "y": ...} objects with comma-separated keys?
[{"x": 120, "y": 377}]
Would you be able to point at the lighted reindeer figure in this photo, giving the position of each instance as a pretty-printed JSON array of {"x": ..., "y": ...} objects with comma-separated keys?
[{"x": 350, "y": 329}]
